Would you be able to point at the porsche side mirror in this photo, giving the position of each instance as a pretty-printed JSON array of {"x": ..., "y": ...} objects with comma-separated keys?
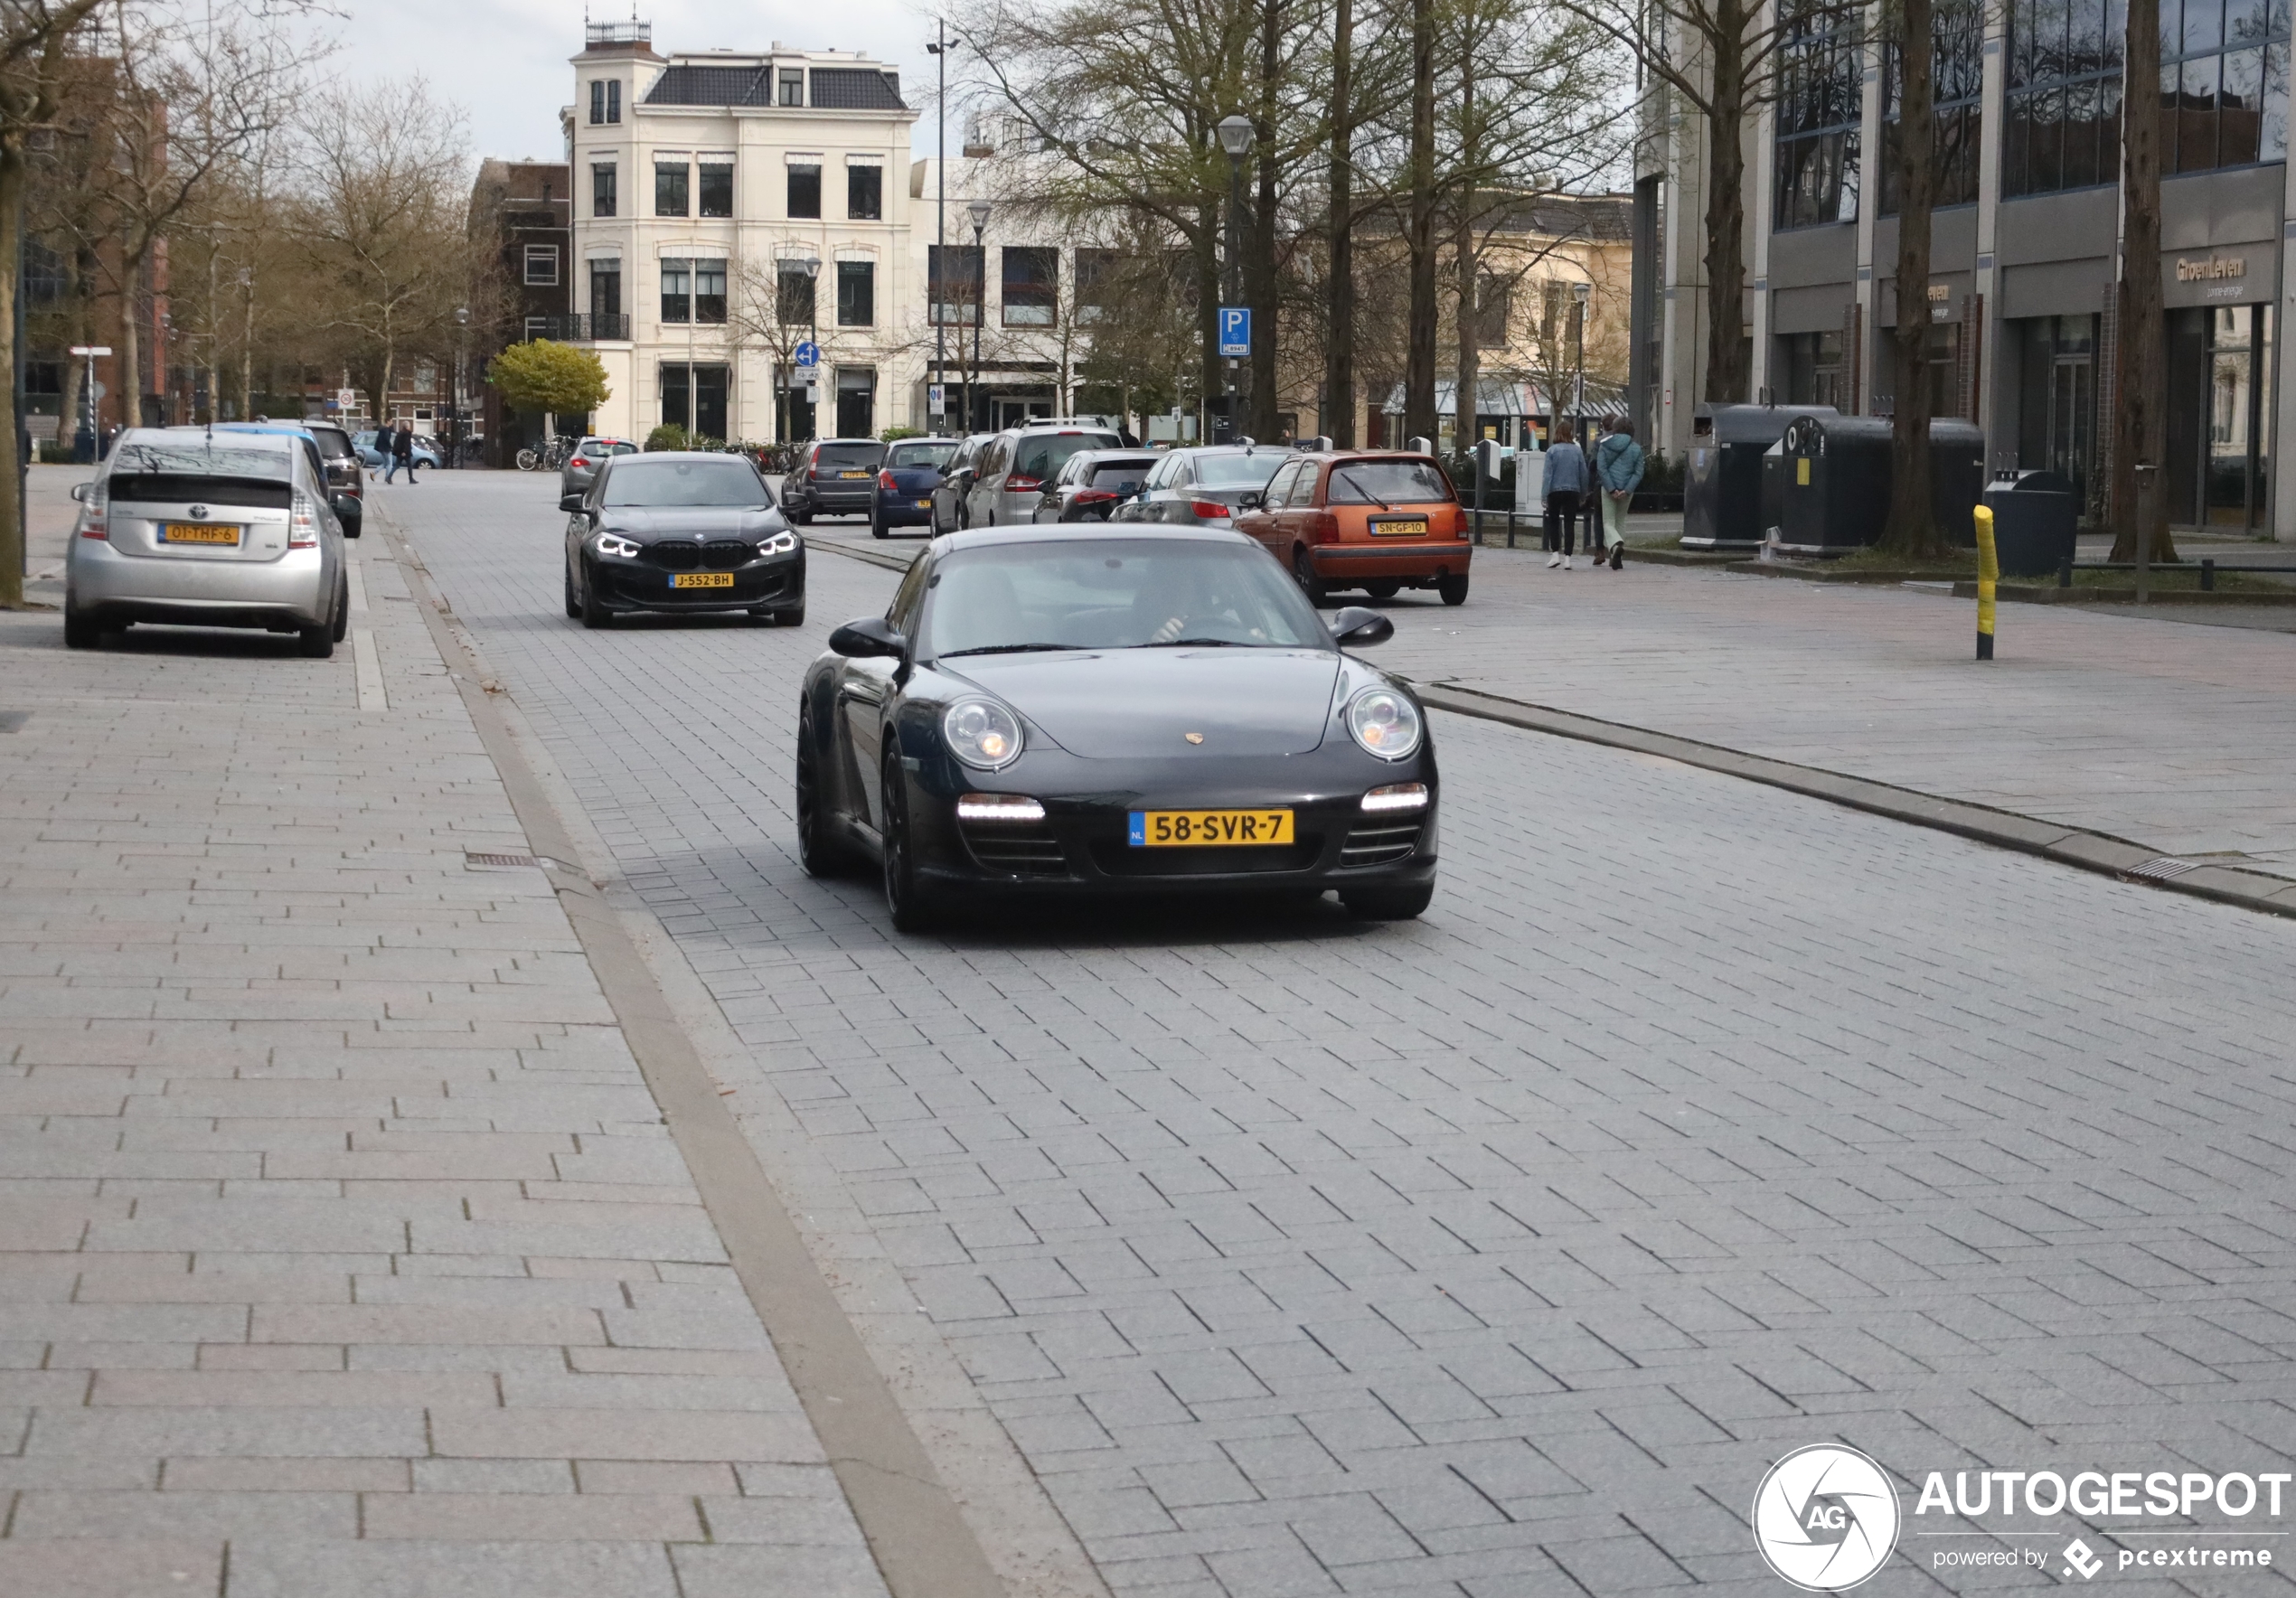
[
  {"x": 571, "y": 504},
  {"x": 1251, "y": 499},
  {"x": 1359, "y": 626},
  {"x": 871, "y": 637}
]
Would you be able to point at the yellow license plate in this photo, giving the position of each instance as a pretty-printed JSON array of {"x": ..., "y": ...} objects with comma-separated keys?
[
  {"x": 1198, "y": 829},
  {"x": 852, "y": 474},
  {"x": 701, "y": 580},
  {"x": 197, "y": 533},
  {"x": 1416, "y": 527}
]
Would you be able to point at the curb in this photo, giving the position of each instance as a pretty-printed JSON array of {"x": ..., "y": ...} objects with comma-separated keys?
[
  {"x": 2073, "y": 846},
  {"x": 2050, "y": 594}
]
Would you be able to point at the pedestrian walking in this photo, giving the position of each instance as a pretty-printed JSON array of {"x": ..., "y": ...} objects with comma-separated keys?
[
  {"x": 1567, "y": 480},
  {"x": 386, "y": 436},
  {"x": 1618, "y": 472},
  {"x": 402, "y": 451}
]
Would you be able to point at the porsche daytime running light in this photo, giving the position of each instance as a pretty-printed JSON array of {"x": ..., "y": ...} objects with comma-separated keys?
[
  {"x": 983, "y": 733},
  {"x": 1384, "y": 723},
  {"x": 1396, "y": 796},
  {"x": 998, "y": 807},
  {"x": 609, "y": 544},
  {"x": 781, "y": 543}
]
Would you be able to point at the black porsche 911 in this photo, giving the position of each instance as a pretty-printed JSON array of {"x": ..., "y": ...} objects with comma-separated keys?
[
  {"x": 1064, "y": 710},
  {"x": 681, "y": 531}
]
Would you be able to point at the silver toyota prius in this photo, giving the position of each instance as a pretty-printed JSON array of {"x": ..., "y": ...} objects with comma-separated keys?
[{"x": 208, "y": 530}]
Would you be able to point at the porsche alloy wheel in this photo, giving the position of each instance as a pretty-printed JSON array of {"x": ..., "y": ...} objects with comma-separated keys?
[
  {"x": 905, "y": 897},
  {"x": 818, "y": 854}
]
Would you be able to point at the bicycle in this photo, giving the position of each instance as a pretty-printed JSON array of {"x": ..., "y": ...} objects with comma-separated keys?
[{"x": 554, "y": 453}]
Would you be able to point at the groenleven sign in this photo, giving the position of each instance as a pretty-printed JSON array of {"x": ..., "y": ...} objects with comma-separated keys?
[{"x": 2222, "y": 275}]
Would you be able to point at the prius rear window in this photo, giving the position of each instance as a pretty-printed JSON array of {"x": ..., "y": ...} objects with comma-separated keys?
[{"x": 184, "y": 488}]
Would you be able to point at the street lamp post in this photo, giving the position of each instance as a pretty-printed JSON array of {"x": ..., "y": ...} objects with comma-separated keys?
[
  {"x": 1580, "y": 293},
  {"x": 812, "y": 267},
  {"x": 83, "y": 440},
  {"x": 1235, "y": 138},
  {"x": 938, "y": 279},
  {"x": 455, "y": 391},
  {"x": 980, "y": 210}
]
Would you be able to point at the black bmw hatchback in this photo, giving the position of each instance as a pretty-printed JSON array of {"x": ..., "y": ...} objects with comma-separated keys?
[{"x": 679, "y": 531}]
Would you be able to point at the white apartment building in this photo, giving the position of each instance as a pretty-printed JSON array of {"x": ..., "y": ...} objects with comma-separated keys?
[{"x": 729, "y": 207}]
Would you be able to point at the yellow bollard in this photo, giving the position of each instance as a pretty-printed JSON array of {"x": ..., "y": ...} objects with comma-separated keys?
[{"x": 1989, "y": 573}]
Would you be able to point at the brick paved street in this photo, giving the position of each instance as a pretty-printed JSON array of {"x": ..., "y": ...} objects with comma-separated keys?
[
  {"x": 343, "y": 1250},
  {"x": 1498, "y": 1254}
]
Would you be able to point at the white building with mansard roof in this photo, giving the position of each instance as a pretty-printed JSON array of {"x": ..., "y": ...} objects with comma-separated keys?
[{"x": 729, "y": 207}]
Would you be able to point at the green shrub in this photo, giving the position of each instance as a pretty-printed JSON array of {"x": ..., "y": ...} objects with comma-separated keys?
[
  {"x": 668, "y": 436},
  {"x": 891, "y": 434}
]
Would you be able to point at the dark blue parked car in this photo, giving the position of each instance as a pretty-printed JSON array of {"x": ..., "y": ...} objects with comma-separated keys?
[{"x": 904, "y": 482}]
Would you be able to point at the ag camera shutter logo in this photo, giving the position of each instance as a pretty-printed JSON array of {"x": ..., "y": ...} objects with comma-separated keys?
[{"x": 1825, "y": 1518}]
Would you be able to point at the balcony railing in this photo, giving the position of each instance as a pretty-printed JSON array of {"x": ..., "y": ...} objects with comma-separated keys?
[
  {"x": 630, "y": 32},
  {"x": 580, "y": 330}
]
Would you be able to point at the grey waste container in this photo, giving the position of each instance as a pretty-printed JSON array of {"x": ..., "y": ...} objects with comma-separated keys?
[
  {"x": 1722, "y": 488},
  {"x": 2036, "y": 520},
  {"x": 1835, "y": 474}
]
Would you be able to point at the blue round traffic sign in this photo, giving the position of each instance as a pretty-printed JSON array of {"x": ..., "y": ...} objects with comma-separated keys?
[{"x": 809, "y": 353}]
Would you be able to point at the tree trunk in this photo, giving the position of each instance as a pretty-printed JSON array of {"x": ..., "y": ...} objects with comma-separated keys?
[
  {"x": 1465, "y": 407},
  {"x": 2140, "y": 388},
  {"x": 1419, "y": 350},
  {"x": 1339, "y": 367},
  {"x": 1912, "y": 528},
  {"x": 13, "y": 179},
  {"x": 1259, "y": 262},
  {"x": 1726, "y": 374},
  {"x": 1210, "y": 381}
]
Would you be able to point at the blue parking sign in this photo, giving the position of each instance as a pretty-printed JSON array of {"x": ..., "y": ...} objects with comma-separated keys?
[{"x": 1235, "y": 330}]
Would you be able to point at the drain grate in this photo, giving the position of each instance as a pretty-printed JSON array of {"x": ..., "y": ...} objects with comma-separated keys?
[
  {"x": 2160, "y": 868},
  {"x": 471, "y": 857},
  {"x": 14, "y": 721}
]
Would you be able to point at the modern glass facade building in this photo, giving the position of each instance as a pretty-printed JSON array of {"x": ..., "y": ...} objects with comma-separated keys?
[{"x": 2026, "y": 241}]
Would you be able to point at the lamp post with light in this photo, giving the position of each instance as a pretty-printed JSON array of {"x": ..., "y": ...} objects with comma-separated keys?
[
  {"x": 455, "y": 394},
  {"x": 980, "y": 210},
  {"x": 1580, "y": 293},
  {"x": 1235, "y": 139},
  {"x": 937, "y": 285}
]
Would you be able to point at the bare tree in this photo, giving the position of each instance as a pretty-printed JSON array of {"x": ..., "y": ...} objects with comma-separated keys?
[
  {"x": 2141, "y": 430},
  {"x": 1912, "y": 528}
]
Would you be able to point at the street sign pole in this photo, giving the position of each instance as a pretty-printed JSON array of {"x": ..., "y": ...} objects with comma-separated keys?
[{"x": 83, "y": 440}]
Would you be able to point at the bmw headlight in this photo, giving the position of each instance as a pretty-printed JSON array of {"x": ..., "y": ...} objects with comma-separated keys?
[
  {"x": 980, "y": 732},
  {"x": 1384, "y": 722},
  {"x": 781, "y": 543},
  {"x": 609, "y": 544}
]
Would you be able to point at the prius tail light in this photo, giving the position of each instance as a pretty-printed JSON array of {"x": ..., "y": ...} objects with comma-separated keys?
[
  {"x": 303, "y": 527},
  {"x": 93, "y": 521}
]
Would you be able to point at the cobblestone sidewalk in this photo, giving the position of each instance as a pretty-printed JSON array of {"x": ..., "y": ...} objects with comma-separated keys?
[{"x": 344, "y": 1251}]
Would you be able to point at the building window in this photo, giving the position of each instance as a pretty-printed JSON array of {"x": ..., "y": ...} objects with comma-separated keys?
[
  {"x": 1494, "y": 310},
  {"x": 602, "y": 189},
  {"x": 793, "y": 87},
  {"x": 1815, "y": 371},
  {"x": 670, "y": 188},
  {"x": 716, "y": 188},
  {"x": 536, "y": 327},
  {"x": 865, "y": 194},
  {"x": 2224, "y": 84},
  {"x": 597, "y": 101},
  {"x": 677, "y": 290},
  {"x": 1957, "y": 82},
  {"x": 1096, "y": 272},
  {"x": 955, "y": 270},
  {"x": 694, "y": 397},
  {"x": 541, "y": 265},
  {"x": 2061, "y": 117},
  {"x": 856, "y": 293},
  {"x": 614, "y": 101},
  {"x": 1821, "y": 102},
  {"x": 1031, "y": 286},
  {"x": 794, "y": 295},
  {"x": 606, "y": 101},
  {"x": 605, "y": 290},
  {"x": 708, "y": 291},
  {"x": 804, "y": 190}
]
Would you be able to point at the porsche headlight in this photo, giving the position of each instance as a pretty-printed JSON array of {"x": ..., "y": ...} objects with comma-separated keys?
[
  {"x": 1384, "y": 722},
  {"x": 609, "y": 544},
  {"x": 781, "y": 543},
  {"x": 980, "y": 732}
]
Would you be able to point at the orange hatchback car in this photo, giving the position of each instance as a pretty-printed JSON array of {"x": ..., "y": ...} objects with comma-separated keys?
[{"x": 1376, "y": 519}]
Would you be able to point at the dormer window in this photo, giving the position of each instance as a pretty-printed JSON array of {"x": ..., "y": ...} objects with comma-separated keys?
[{"x": 793, "y": 87}]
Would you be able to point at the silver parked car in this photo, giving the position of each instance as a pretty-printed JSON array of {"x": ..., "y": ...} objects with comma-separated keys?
[
  {"x": 208, "y": 530},
  {"x": 1011, "y": 470},
  {"x": 580, "y": 469}
]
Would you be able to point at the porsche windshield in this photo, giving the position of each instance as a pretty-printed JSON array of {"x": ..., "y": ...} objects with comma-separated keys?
[
  {"x": 1115, "y": 593},
  {"x": 727, "y": 483}
]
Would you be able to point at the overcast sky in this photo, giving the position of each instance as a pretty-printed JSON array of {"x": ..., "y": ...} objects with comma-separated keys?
[{"x": 506, "y": 62}]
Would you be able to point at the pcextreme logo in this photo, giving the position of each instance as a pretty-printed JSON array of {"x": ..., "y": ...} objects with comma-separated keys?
[{"x": 1825, "y": 1518}]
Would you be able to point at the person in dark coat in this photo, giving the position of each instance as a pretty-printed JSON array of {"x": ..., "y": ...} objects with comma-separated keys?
[
  {"x": 385, "y": 436},
  {"x": 402, "y": 451}
]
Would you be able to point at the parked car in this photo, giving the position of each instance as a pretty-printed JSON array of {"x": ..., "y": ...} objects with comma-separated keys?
[
  {"x": 837, "y": 477},
  {"x": 1376, "y": 519},
  {"x": 956, "y": 482},
  {"x": 1093, "y": 483},
  {"x": 227, "y": 529},
  {"x": 1012, "y": 473},
  {"x": 1077, "y": 712},
  {"x": 681, "y": 530},
  {"x": 589, "y": 454},
  {"x": 425, "y": 451},
  {"x": 906, "y": 481},
  {"x": 338, "y": 458},
  {"x": 1200, "y": 485}
]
